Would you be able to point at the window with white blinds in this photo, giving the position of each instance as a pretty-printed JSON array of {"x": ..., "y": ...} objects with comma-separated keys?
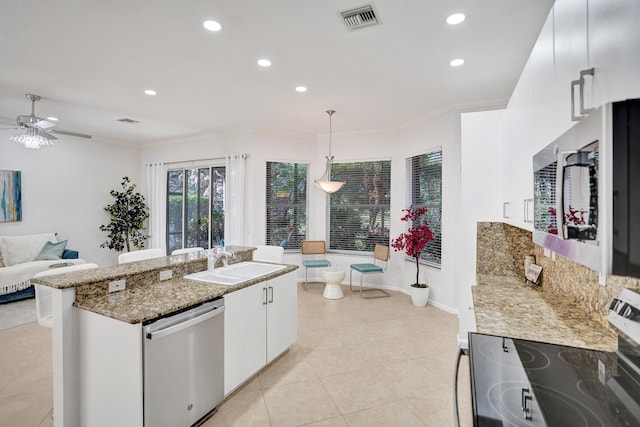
[
  {"x": 286, "y": 203},
  {"x": 359, "y": 215},
  {"x": 544, "y": 195},
  {"x": 424, "y": 184}
]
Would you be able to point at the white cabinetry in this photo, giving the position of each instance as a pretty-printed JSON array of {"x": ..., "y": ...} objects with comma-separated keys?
[
  {"x": 260, "y": 324},
  {"x": 571, "y": 53}
]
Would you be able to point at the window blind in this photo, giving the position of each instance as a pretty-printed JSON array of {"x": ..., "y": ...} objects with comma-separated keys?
[
  {"x": 286, "y": 204},
  {"x": 544, "y": 194},
  {"x": 424, "y": 184},
  {"x": 359, "y": 215}
]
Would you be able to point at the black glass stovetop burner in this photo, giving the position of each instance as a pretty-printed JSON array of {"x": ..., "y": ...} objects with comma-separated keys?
[{"x": 527, "y": 383}]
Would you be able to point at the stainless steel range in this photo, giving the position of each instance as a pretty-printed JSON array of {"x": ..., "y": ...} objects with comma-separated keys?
[{"x": 518, "y": 382}]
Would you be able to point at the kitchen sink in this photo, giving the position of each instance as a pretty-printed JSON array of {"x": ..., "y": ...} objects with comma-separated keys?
[{"x": 235, "y": 273}]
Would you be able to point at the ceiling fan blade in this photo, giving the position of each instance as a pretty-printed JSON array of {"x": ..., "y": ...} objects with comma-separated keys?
[
  {"x": 43, "y": 124},
  {"x": 62, "y": 132}
]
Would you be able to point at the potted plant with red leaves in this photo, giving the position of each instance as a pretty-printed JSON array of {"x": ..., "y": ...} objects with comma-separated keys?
[{"x": 414, "y": 242}]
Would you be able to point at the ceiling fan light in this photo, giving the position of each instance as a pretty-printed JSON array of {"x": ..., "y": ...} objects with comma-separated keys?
[{"x": 32, "y": 139}]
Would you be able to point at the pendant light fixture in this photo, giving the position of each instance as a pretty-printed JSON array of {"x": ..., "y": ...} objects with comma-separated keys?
[{"x": 325, "y": 182}]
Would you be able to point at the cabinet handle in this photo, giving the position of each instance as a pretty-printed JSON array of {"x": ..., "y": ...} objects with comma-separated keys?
[
  {"x": 264, "y": 301},
  {"x": 526, "y": 210},
  {"x": 584, "y": 73},
  {"x": 574, "y": 83},
  {"x": 271, "y": 298},
  {"x": 504, "y": 210}
]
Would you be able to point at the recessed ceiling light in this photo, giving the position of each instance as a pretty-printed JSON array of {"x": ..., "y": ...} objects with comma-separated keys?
[
  {"x": 455, "y": 18},
  {"x": 456, "y": 62},
  {"x": 150, "y": 92},
  {"x": 53, "y": 119},
  {"x": 264, "y": 63},
  {"x": 301, "y": 89},
  {"x": 212, "y": 25}
]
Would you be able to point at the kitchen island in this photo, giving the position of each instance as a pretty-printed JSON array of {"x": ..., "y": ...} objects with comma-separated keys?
[
  {"x": 97, "y": 334},
  {"x": 506, "y": 306}
]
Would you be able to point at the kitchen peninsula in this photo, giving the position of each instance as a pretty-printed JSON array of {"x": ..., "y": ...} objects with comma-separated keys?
[{"x": 97, "y": 334}]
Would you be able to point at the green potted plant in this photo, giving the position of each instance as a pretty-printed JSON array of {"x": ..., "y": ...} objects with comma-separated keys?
[
  {"x": 128, "y": 215},
  {"x": 414, "y": 242}
]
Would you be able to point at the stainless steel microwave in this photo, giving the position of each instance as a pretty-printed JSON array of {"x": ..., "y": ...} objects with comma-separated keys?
[{"x": 587, "y": 191}]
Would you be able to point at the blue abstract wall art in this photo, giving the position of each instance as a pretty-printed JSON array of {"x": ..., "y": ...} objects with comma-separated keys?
[{"x": 10, "y": 196}]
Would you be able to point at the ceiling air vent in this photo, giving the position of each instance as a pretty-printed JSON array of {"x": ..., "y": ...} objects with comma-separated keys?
[
  {"x": 360, "y": 17},
  {"x": 127, "y": 120}
]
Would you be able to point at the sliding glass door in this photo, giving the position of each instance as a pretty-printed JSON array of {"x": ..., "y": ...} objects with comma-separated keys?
[{"x": 195, "y": 207}]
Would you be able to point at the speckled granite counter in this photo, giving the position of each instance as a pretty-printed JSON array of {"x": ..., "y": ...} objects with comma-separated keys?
[
  {"x": 143, "y": 303},
  {"x": 504, "y": 305},
  {"x": 146, "y": 297}
]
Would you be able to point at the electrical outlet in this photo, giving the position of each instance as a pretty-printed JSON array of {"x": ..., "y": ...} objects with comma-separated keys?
[
  {"x": 117, "y": 285},
  {"x": 166, "y": 274}
]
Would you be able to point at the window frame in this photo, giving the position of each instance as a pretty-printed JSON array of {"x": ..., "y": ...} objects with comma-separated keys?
[
  {"x": 386, "y": 208},
  {"x": 305, "y": 204},
  {"x": 412, "y": 187},
  {"x": 186, "y": 170}
]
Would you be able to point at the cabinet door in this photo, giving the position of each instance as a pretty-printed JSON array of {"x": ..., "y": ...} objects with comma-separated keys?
[
  {"x": 571, "y": 55},
  {"x": 614, "y": 43},
  {"x": 282, "y": 314},
  {"x": 244, "y": 335}
]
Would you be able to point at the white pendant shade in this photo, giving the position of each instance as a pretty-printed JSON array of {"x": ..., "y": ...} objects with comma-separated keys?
[{"x": 325, "y": 183}]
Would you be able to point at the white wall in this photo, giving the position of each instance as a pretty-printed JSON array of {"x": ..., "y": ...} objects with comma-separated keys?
[
  {"x": 395, "y": 145},
  {"x": 65, "y": 187},
  {"x": 480, "y": 199}
]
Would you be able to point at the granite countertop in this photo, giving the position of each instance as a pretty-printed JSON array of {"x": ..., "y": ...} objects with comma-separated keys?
[
  {"x": 143, "y": 303},
  {"x": 146, "y": 296},
  {"x": 506, "y": 306}
]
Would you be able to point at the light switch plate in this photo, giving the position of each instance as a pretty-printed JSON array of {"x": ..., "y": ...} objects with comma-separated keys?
[
  {"x": 166, "y": 274},
  {"x": 117, "y": 285}
]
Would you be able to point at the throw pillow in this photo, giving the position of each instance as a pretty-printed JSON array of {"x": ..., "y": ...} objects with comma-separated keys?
[
  {"x": 52, "y": 250},
  {"x": 1, "y": 260}
]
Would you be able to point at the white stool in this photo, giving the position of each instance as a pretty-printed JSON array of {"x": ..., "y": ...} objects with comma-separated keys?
[{"x": 332, "y": 288}]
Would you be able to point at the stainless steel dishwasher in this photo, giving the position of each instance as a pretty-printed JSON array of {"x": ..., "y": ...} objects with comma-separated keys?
[{"x": 184, "y": 365}]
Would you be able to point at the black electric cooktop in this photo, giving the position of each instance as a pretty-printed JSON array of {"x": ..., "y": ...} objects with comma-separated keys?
[{"x": 527, "y": 383}]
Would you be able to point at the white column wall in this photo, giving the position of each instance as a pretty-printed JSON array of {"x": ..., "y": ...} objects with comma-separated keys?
[{"x": 66, "y": 186}]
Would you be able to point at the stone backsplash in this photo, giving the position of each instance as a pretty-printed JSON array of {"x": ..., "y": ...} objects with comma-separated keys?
[{"x": 501, "y": 249}]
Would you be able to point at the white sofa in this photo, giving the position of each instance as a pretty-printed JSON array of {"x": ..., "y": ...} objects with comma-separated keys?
[{"x": 18, "y": 262}]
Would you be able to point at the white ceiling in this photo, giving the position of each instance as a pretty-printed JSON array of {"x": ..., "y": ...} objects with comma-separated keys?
[{"x": 91, "y": 60}]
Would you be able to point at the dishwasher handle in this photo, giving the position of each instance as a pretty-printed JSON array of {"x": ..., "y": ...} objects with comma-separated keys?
[{"x": 169, "y": 330}]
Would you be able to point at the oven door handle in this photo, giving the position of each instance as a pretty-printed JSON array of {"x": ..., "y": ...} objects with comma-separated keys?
[{"x": 456, "y": 415}]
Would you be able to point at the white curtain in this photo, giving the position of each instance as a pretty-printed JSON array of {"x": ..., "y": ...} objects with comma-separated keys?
[
  {"x": 234, "y": 200},
  {"x": 157, "y": 201}
]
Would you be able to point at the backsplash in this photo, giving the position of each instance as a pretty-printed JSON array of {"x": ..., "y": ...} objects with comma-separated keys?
[{"x": 501, "y": 249}]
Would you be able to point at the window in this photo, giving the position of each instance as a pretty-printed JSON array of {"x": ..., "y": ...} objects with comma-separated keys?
[
  {"x": 359, "y": 214},
  {"x": 286, "y": 201},
  {"x": 425, "y": 189},
  {"x": 195, "y": 207}
]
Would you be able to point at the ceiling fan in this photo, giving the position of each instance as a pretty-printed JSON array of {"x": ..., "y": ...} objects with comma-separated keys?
[{"x": 38, "y": 131}]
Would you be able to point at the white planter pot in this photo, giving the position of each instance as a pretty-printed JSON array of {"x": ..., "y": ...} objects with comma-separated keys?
[{"x": 419, "y": 296}]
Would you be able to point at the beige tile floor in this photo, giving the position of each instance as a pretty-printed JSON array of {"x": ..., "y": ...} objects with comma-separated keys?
[{"x": 379, "y": 362}]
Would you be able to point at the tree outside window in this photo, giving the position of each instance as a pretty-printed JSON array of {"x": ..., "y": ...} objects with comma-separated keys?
[
  {"x": 359, "y": 214},
  {"x": 286, "y": 204}
]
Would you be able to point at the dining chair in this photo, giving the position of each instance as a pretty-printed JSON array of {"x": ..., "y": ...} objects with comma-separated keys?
[
  {"x": 187, "y": 250},
  {"x": 268, "y": 253},
  {"x": 377, "y": 266},
  {"x": 140, "y": 255},
  {"x": 314, "y": 254}
]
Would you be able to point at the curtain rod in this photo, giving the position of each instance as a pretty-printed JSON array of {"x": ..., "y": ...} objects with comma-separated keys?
[{"x": 195, "y": 160}]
